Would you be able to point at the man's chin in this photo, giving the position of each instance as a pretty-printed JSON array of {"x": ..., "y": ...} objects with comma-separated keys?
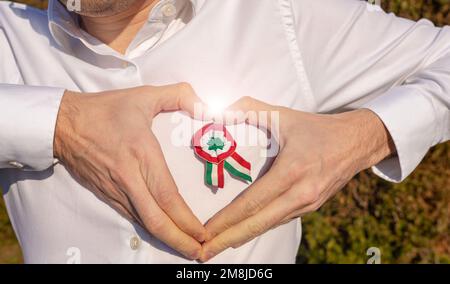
[
  {"x": 97, "y": 9},
  {"x": 98, "y": 14}
]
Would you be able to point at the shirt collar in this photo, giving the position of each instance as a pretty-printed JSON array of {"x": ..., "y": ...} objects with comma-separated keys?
[{"x": 64, "y": 25}]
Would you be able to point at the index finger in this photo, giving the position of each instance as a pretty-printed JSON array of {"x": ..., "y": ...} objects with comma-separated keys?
[
  {"x": 150, "y": 215},
  {"x": 250, "y": 228},
  {"x": 253, "y": 200},
  {"x": 182, "y": 97},
  {"x": 164, "y": 189},
  {"x": 159, "y": 224}
]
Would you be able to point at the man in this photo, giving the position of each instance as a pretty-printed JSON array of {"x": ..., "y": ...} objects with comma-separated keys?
[{"x": 353, "y": 88}]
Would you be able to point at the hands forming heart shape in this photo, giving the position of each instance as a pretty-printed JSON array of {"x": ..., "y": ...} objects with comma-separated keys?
[{"x": 104, "y": 140}]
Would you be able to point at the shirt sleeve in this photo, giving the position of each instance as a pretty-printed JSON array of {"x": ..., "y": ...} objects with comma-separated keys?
[
  {"x": 358, "y": 56},
  {"x": 27, "y": 117}
]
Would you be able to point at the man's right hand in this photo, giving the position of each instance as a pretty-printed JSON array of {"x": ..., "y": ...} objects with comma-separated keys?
[{"x": 105, "y": 141}]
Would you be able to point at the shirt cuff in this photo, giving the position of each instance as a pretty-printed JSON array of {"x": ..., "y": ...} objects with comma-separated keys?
[
  {"x": 27, "y": 126},
  {"x": 409, "y": 116}
]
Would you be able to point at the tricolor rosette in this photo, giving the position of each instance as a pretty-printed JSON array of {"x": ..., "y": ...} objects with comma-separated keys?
[{"x": 214, "y": 144}]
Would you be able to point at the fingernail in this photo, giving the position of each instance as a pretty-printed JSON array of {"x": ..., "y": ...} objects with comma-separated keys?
[{"x": 195, "y": 255}]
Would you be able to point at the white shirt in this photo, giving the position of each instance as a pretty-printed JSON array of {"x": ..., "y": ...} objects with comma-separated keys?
[{"x": 321, "y": 56}]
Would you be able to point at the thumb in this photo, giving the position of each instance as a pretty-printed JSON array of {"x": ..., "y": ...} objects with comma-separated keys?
[{"x": 251, "y": 111}]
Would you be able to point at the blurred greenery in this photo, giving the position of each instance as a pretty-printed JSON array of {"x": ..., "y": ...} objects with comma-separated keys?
[
  {"x": 408, "y": 222},
  {"x": 9, "y": 249}
]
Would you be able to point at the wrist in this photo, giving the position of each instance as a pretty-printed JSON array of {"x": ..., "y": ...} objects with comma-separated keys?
[
  {"x": 371, "y": 139},
  {"x": 64, "y": 124}
]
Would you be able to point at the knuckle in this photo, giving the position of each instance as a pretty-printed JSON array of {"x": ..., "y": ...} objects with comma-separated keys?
[
  {"x": 221, "y": 244},
  {"x": 153, "y": 182},
  {"x": 252, "y": 207},
  {"x": 164, "y": 197},
  {"x": 256, "y": 228},
  {"x": 294, "y": 172},
  {"x": 118, "y": 174},
  {"x": 156, "y": 225},
  {"x": 182, "y": 243},
  {"x": 222, "y": 223},
  {"x": 185, "y": 88},
  {"x": 247, "y": 101},
  {"x": 309, "y": 197}
]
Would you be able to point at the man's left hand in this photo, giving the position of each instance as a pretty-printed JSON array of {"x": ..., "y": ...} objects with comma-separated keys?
[{"x": 319, "y": 155}]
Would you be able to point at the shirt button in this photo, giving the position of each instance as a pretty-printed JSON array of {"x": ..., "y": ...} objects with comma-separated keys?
[
  {"x": 16, "y": 165},
  {"x": 135, "y": 243},
  {"x": 169, "y": 10},
  {"x": 125, "y": 64}
]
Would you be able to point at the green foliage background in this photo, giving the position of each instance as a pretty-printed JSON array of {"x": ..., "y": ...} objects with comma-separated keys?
[{"x": 409, "y": 222}]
